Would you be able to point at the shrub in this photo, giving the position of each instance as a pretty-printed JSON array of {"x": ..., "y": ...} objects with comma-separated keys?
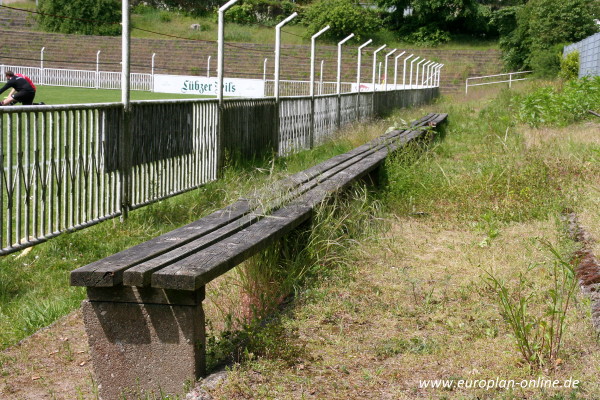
[
  {"x": 100, "y": 17},
  {"x": 429, "y": 35},
  {"x": 569, "y": 66},
  {"x": 260, "y": 11},
  {"x": 546, "y": 62},
  {"x": 344, "y": 17}
]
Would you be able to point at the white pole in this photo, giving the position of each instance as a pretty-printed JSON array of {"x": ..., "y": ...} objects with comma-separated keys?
[
  {"x": 423, "y": 72},
  {"x": 98, "y": 69},
  {"x": 379, "y": 74},
  {"x": 278, "y": 50},
  {"x": 375, "y": 63},
  {"x": 153, "y": 57},
  {"x": 427, "y": 73},
  {"x": 265, "y": 69},
  {"x": 410, "y": 85},
  {"x": 386, "y": 67},
  {"x": 41, "y": 62},
  {"x": 439, "y": 74},
  {"x": 417, "y": 72},
  {"x": 321, "y": 78},
  {"x": 431, "y": 73},
  {"x": 221, "y": 48},
  {"x": 313, "y": 46},
  {"x": 208, "y": 67},
  {"x": 125, "y": 56},
  {"x": 396, "y": 69},
  {"x": 359, "y": 66},
  {"x": 339, "y": 62},
  {"x": 404, "y": 72}
]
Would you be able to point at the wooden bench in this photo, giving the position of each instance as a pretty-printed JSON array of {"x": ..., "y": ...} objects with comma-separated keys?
[{"x": 143, "y": 314}]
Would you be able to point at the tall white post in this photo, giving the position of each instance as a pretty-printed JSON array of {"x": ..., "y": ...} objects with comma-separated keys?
[
  {"x": 221, "y": 48},
  {"x": 208, "y": 67},
  {"x": 375, "y": 64},
  {"x": 417, "y": 71},
  {"x": 125, "y": 67},
  {"x": 439, "y": 74},
  {"x": 98, "y": 69},
  {"x": 321, "y": 77},
  {"x": 125, "y": 137},
  {"x": 423, "y": 72},
  {"x": 396, "y": 69},
  {"x": 410, "y": 85},
  {"x": 379, "y": 74},
  {"x": 404, "y": 72},
  {"x": 386, "y": 67},
  {"x": 431, "y": 64},
  {"x": 313, "y": 47},
  {"x": 278, "y": 50},
  {"x": 358, "y": 71},
  {"x": 339, "y": 62},
  {"x": 41, "y": 65},
  {"x": 359, "y": 64},
  {"x": 153, "y": 57},
  {"x": 265, "y": 69}
]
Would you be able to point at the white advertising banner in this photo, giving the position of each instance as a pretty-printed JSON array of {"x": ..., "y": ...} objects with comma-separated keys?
[{"x": 233, "y": 87}]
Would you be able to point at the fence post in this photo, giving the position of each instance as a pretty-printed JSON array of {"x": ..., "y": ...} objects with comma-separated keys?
[
  {"x": 396, "y": 69},
  {"x": 386, "y": 68},
  {"x": 510, "y": 81},
  {"x": 321, "y": 78},
  {"x": 208, "y": 67},
  {"x": 358, "y": 71},
  {"x": 98, "y": 69},
  {"x": 410, "y": 85},
  {"x": 339, "y": 80},
  {"x": 220, "y": 64},
  {"x": 42, "y": 65},
  {"x": 152, "y": 73},
  {"x": 313, "y": 45},
  {"x": 125, "y": 145},
  {"x": 374, "y": 76}
]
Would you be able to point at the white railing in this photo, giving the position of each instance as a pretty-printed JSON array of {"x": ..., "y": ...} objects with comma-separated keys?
[
  {"x": 80, "y": 78},
  {"x": 492, "y": 79}
]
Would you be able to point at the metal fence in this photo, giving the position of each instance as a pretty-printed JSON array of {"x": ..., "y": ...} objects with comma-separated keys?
[
  {"x": 589, "y": 55},
  {"x": 67, "y": 167}
]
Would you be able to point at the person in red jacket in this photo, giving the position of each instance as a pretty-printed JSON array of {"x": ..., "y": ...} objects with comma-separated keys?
[{"x": 23, "y": 89}]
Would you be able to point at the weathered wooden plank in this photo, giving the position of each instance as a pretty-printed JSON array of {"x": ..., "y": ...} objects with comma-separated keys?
[
  {"x": 109, "y": 271},
  {"x": 198, "y": 269}
]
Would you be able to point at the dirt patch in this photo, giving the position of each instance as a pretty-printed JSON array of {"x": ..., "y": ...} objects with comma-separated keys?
[{"x": 54, "y": 363}]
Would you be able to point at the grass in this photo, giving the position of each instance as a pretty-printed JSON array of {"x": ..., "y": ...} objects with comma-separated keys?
[{"x": 63, "y": 95}]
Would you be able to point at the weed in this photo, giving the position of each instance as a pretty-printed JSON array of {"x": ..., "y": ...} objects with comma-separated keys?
[{"x": 539, "y": 336}]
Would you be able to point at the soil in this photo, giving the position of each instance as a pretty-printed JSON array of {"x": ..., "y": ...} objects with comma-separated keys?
[{"x": 54, "y": 363}]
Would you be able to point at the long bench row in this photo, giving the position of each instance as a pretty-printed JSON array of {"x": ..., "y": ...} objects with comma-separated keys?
[{"x": 144, "y": 316}]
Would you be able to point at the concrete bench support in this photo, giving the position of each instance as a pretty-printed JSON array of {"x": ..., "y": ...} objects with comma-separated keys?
[{"x": 152, "y": 337}]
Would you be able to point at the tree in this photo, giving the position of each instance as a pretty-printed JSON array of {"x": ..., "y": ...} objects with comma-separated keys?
[
  {"x": 423, "y": 18},
  {"x": 532, "y": 34},
  {"x": 98, "y": 17},
  {"x": 343, "y": 16}
]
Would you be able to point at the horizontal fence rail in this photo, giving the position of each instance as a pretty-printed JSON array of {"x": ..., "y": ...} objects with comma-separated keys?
[
  {"x": 509, "y": 78},
  {"x": 64, "y": 167}
]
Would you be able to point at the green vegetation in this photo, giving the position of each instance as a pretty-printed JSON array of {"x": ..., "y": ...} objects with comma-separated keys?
[
  {"x": 344, "y": 17},
  {"x": 569, "y": 66},
  {"x": 101, "y": 17},
  {"x": 532, "y": 35},
  {"x": 559, "y": 106}
]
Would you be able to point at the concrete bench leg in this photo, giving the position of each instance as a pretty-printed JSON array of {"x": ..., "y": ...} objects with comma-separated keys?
[{"x": 145, "y": 340}]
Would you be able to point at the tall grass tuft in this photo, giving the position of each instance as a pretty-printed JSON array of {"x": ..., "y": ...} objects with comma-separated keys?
[
  {"x": 273, "y": 277},
  {"x": 538, "y": 331}
]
